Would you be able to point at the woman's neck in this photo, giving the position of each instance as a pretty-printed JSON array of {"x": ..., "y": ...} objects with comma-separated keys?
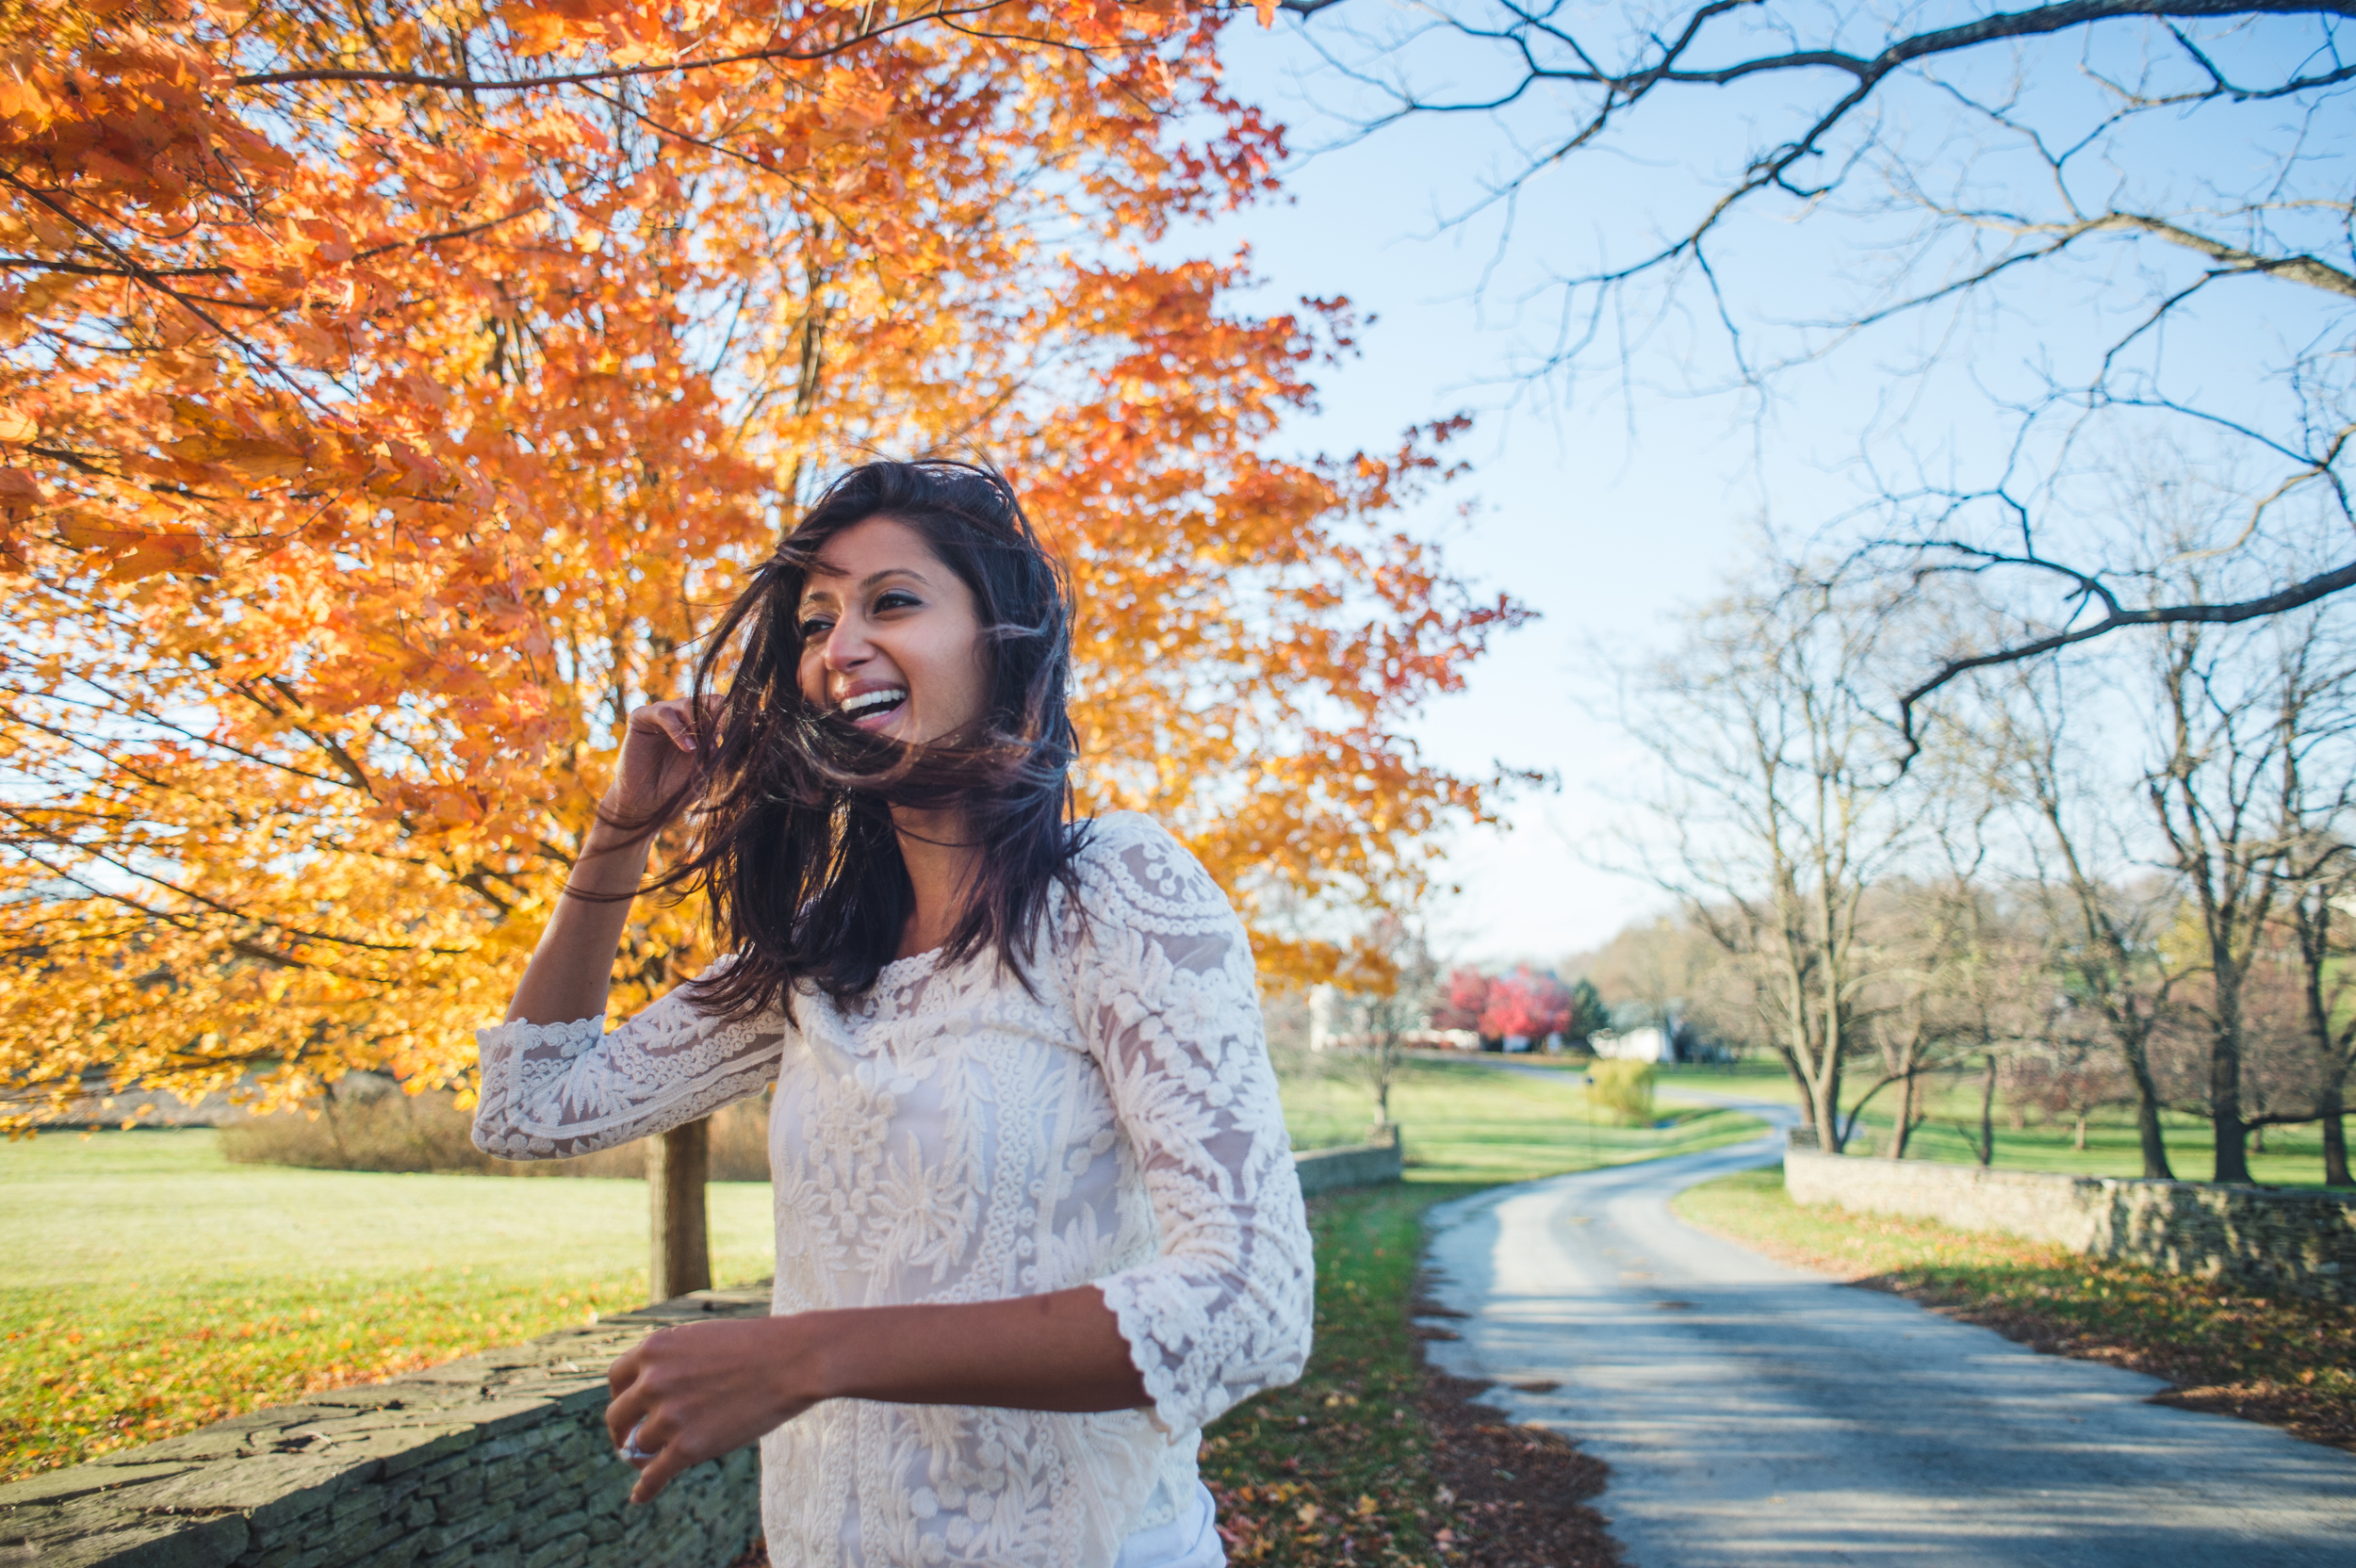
[{"x": 940, "y": 865}]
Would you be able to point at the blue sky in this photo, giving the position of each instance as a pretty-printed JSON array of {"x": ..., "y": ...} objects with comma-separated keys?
[
  {"x": 1610, "y": 507},
  {"x": 1604, "y": 531}
]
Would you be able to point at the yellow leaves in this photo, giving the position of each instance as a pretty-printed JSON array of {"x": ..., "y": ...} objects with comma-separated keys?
[
  {"x": 247, "y": 456},
  {"x": 537, "y": 33},
  {"x": 408, "y": 539}
]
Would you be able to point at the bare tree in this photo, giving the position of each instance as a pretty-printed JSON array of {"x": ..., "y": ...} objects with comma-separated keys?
[
  {"x": 1386, "y": 989},
  {"x": 1958, "y": 982},
  {"x": 2316, "y": 807},
  {"x": 2106, "y": 916},
  {"x": 2253, "y": 781},
  {"x": 1661, "y": 965},
  {"x": 2325, "y": 887},
  {"x": 1777, "y": 793},
  {"x": 2090, "y": 219}
]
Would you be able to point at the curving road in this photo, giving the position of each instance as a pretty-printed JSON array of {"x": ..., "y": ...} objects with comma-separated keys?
[{"x": 1756, "y": 1415}]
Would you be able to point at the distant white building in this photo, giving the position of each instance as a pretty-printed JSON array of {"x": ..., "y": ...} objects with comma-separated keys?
[
  {"x": 1638, "y": 1036},
  {"x": 1648, "y": 1044}
]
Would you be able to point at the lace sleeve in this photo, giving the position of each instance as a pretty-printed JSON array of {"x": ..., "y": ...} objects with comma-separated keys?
[
  {"x": 552, "y": 1090},
  {"x": 1167, "y": 1000}
]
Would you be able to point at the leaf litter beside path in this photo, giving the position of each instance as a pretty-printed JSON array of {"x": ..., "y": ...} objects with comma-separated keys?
[
  {"x": 1372, "y": 1459},
  {"x": 2286, "y": 1362}
]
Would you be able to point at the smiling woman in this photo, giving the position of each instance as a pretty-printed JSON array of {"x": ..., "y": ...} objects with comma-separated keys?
[{"x": 1037, "y": 1219}]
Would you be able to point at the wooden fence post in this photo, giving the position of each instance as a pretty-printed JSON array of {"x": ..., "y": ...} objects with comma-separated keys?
[{"x": 677, "y": 1164}]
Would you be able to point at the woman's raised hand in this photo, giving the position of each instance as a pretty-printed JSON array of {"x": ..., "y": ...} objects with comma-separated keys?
[{"x": 657, "y": 763}]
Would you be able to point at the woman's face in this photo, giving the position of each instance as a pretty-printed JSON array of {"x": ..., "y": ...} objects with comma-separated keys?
[{"x": 891, "y": 638}]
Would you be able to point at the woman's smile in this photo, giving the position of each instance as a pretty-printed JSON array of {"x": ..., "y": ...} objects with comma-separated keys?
[{"x": 872, "y": 708}]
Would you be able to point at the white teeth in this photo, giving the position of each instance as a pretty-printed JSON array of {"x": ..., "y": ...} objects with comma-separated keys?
[{"x": 865, "y": 700}]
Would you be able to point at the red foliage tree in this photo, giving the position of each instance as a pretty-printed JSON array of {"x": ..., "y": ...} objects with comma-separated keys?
[
  {"x": 1467, "y": 998},
  {"x": 1528, "y": 1002}
]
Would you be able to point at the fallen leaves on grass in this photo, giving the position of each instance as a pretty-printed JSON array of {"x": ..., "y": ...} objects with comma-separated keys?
[
  {"x": 2285, "y": 1360},
  {"x": 2286, "y": 1363},
  {"x": 84, "y": 1380}
]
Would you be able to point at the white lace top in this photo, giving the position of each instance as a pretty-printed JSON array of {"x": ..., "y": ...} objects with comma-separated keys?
[{"x": 951, "y": 1138}]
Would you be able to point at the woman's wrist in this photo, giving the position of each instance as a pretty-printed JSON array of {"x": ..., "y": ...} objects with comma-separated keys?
[
  {"x": 610, "y": 852},
  {"x": 819, "y": 1355}
]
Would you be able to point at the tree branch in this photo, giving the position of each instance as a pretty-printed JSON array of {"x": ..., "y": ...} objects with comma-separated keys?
[
  {"x": 788, "y": 52},
  {"x": 2322, "y": 585}
]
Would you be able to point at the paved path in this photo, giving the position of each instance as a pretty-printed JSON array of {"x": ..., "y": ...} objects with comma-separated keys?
[{"x": 1756, "y": 1415}]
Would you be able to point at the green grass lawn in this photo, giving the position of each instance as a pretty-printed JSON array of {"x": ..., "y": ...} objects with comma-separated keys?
[
  {"x": 2288, "y": 1360},
  {"x": 1470, "y": 1121},
  {"x": 153, "y": 1287},
  {"x": 2293, "y": 1157}
]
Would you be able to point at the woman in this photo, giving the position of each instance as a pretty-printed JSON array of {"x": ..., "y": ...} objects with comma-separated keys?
[{"x": 1038, "y": 1220}]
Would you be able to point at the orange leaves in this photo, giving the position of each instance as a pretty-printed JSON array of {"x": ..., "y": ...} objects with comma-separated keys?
[
  {"x": 373, "y": 446},
  {"x": 132, "y": 553}
]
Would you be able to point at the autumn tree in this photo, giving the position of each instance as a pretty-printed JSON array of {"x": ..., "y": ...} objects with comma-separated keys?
[
  {"x": 1463, "y": 1002},
  {"x": 1524, "y": 1004},
  {"x": 392, "y": 394}
]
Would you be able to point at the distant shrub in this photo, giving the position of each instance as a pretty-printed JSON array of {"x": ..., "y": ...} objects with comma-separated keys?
[
  {"x": 1625, "y": 1089},
  {"x": 371, "y": 1125}
]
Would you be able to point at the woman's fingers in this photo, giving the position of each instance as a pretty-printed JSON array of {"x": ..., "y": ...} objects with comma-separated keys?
[
  {"x": 678, "y": 723},
  {"x": 673, "y": 1457},
  {"x": 696, "y": 1392}
]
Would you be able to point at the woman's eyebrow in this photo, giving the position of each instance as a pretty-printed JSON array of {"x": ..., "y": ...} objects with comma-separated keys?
[{"x": 815, "y": 594}]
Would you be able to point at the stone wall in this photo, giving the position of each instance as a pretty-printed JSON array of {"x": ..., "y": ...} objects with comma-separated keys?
[
  {"x": 495, "y": 1460},
  {"x": 1360, "y": 1165},
  {"x": 2257, "y": 1238}
]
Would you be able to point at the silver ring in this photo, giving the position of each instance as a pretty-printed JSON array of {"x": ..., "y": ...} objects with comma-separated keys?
[{"x": 634, "y": 1454}]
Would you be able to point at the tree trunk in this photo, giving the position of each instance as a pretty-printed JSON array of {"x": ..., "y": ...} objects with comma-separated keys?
[
  {"x": 678, "y": 1165},
  {"x": 1825, "y": 1104},
  {"x": 1903, "y": 1127},
  {"x": 2155, "y": 1166},
  {"x": 2335, "y": 1106},
  {"x": 2079, "y": 1141},
  {"x": 1987, "y": 1113},
  {"x": 2233, "y": 1153}
]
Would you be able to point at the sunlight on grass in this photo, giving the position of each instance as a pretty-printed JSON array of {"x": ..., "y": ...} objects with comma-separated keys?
[
  {"x": 2293, "y": 1157},
  {"x": 2281, "y": 1359},
  {"x": 154, "y": 1288},
  {"x": 1473, "y": 1121}
]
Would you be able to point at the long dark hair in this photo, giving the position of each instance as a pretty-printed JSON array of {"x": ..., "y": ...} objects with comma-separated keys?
[{"x": 795, "y": 842}]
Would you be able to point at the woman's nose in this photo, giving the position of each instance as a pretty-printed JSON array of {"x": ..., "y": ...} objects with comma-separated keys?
[{"x": 847, "y": 647}]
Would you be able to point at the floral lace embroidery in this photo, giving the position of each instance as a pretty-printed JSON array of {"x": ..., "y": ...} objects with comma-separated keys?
[{"x": 952, "y": 1137}]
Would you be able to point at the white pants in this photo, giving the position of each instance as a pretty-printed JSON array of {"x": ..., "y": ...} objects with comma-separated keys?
[{"x": 1189, "y": 1540}]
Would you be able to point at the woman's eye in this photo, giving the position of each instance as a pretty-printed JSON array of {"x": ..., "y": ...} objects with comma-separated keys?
[
  {"x": 815, "y": 627},
  {"x": 895, "y": 600}
]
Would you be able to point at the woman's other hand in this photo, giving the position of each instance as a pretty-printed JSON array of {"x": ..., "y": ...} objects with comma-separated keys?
[
  {"x": 702, "y": 1390},
  {"x": 659, "y": 762}
]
